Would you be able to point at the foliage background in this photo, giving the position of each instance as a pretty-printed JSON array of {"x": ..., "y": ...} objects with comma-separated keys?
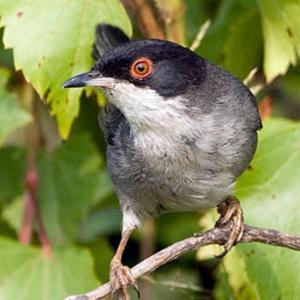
[{"x": 53, "y": 133}]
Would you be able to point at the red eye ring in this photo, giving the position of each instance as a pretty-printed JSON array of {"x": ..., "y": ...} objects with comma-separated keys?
[{"x": 141, "y": 68}]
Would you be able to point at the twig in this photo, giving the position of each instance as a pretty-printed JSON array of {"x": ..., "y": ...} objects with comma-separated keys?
[
  {"x": 31, "y": 180},
  {"x": 213, "y": 236},
  {"x": 254, "y": 83},
  {"x": 250, "y": 77},
  {"x": 146, "y": 16},
  {"x": 200, "y": 35},
  {"x": 25, "y": 233}
]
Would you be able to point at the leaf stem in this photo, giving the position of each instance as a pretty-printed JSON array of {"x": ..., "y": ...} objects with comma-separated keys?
[
  {"x": 31, "y": 207},
  {"x": 25, "y": 233}
]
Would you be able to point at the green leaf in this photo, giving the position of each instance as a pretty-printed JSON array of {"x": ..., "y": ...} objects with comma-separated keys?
[
  {"x": 176, "y": 283},
  {"x": 243, "y": 48},
  {"x": 102, "y": 222},
  {"x": 12, "y": 116},
  {"x": 218, "y": 34},
  {"x": 222, "y": 290},
  {"x": 69, "y": 187},
  {"x": 269, "y": 192},
  {"x": 6, "y": 58},
  {"x": 12, "y": 213},
  {"x": 52, "y": 41},
  {"x": 12, "y": 170},
  {"x": 197, "y": 12},
  {"x": 232, "y": 279},
  {"x": 185, "y": 224},
  {"x": 102, "y": 253},
  {"x": 290, "y": 91},
  {"x": 27, "y": 274},
  {"x": 281, "y": 28}
]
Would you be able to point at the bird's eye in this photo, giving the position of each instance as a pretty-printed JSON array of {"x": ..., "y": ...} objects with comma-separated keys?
[{"x": 141, "y": 68}]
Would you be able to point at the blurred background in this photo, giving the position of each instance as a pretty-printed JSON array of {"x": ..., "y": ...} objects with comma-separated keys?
[{"x": 55, "y": 194}]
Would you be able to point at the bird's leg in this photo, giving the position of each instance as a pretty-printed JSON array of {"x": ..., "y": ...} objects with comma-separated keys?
[
  {"x": 231, "y": 214},
  {"x": 120, "y": 276}
]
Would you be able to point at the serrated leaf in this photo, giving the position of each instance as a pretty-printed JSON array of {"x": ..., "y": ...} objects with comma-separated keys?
[
  {"x": 269, "y": 192},
  {"x": 69, "y": 184},
  {"x": 52, "y": 41},
  {"x": 281, "y": 28},
  {"x": 27, "y": 274},
  {"x": 12, "y": 115}
]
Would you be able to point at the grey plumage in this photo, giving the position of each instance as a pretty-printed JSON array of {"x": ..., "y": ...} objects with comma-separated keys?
[
  {"x": 199, "y": 169},
  {"x": 177, "y": 140}
]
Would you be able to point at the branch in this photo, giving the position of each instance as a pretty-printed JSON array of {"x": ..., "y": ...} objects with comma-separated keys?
[{"x": 213, "y": 236}]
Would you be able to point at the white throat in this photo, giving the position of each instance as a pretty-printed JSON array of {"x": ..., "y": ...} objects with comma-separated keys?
[{"x": 157, "y": 124}]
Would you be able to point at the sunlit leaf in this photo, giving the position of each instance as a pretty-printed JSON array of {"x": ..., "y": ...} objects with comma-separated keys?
[
  {"x": 281, "y": 27},
  {"x": 269, "y": 192},
  {"x": 52, "y": 41},
  {"x": 232, "y": 279},
  {"x": 219, "y": 32}
]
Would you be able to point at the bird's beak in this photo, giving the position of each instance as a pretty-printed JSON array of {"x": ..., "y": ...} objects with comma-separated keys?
[
  {"x": 77, "y": 81},
  {"x": 89, "y": 79}
]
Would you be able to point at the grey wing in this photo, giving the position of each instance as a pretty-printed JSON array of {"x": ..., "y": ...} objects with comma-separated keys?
[
  {"x": 110, "y": 119},
  {"x": 107, "y": 37}
]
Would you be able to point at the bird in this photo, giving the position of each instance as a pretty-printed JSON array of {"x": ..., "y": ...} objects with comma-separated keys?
[{"x": 179, "y": 130}]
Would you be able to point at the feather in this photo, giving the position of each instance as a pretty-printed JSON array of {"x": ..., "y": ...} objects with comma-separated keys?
[
  {"x": 107, "y": 37},
  {"x": 110, "y": 119}
]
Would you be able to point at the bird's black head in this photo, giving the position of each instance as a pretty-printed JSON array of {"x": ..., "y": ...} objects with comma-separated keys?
[
  {"x": 149, "y": 81},
  {"x": 165, "y": 67},
  {"x": 162, "y": 66}
]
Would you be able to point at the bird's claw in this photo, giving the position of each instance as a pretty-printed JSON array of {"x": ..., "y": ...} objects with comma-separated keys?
[
  {"x": 231, "y": 215},
  {"x": 121, "y": 278}
]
